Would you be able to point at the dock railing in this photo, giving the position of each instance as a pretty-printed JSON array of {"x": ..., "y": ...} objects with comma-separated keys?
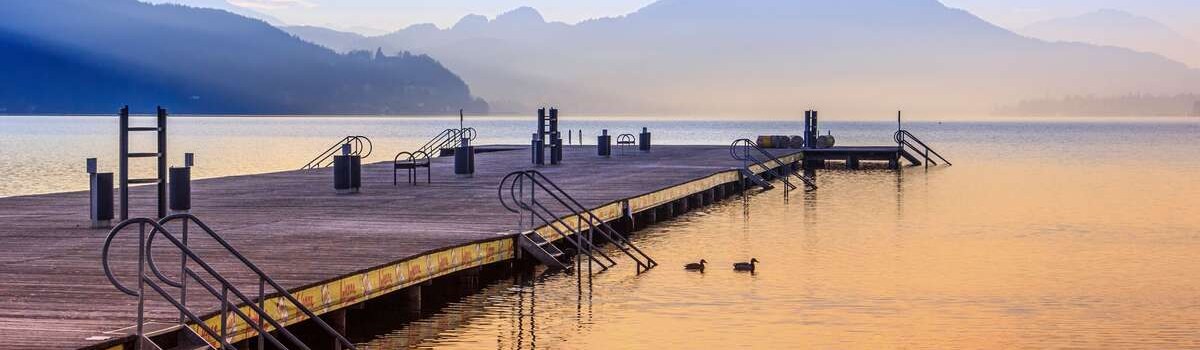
[
  {"x": 584, "y": 217},
  {"x": 222, "y": 291},
  {"x": 446, "y": 139},
  {"x": 359, "y": 146},
  {"x": 750, "y": 153},
  {"x": 907, "y": 139}
]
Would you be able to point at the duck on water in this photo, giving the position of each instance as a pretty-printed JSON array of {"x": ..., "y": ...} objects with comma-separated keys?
[
  {"x": 745, "y": 266},
  {"x": 698, "y": 266}
]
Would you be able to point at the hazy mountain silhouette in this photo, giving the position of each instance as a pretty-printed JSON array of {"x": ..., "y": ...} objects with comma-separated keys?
[
  {"x": 774, "y": 57},
  {"x": 91, "y": 56},
  {"x": 1119, "y": 28}
]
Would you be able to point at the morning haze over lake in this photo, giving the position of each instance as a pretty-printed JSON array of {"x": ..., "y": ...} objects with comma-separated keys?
[{"x": 671, "y": 174}]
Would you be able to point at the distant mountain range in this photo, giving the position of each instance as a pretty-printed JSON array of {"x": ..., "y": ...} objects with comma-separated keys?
[
  {"x": 1119, "y": 28},
  {"x": 770, "y": 57},
  {"x": 92, "y": 56}
]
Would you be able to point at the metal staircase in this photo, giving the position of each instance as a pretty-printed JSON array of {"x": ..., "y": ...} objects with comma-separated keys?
[
  {"x": 228, "y": 294},
  {"x": 909, "y": 142},
  {"x": 359, "y": 146},
  {"x": 530, "y": 192},
  {"x": 751, "y": 155}
]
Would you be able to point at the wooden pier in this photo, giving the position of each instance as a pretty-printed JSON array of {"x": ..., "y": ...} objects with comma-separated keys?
[{"x": 335, "y": 251}]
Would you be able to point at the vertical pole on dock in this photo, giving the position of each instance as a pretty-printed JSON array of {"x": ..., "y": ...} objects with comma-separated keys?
[
  {"x": 162, "y": 162},
  {"x": 123, "y": 164}
]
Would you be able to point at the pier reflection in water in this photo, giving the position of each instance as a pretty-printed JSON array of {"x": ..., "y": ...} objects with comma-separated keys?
[{"x": 1081, "y": 242}]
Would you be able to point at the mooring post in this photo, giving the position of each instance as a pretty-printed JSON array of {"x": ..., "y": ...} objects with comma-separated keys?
[
  {"x": 604, "y": 144},
  {"x": 101, "y": 189},
  {"x": 644, "y": 140},
  {"x": 181, "y": 186}
]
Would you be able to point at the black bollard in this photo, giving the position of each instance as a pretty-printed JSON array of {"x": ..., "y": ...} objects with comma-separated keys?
[
  {"x": 347, "y": 174},
  {"x": 538, "y": 150},
  {"x": 644, "y": 140},
  {"x": 180, "y": 184},
  {"x": 604, "y": 144},
  {"x": 464, "y": 158},
  {"x": 101, "y": 202}
]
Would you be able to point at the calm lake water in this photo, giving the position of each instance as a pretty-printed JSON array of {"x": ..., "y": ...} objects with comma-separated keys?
[{"x": 1045, "y": 234}]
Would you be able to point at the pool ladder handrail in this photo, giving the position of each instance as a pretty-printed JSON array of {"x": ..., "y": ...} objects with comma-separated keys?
[
  {"x": 359, "y": 146},
  {"x": 903, "y": 137},
  {"x": 448, "y": 137},
  {"x": 583, "y": 215},
  {"x": 515, "y": 182},
  {"x": 781, "y": 171},
  {"x": 410, "y": 161},
  {"x": 146, "y": 259}
]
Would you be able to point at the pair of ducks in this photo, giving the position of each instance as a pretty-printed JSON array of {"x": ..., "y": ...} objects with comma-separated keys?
[{"x": 742, "y": 266}]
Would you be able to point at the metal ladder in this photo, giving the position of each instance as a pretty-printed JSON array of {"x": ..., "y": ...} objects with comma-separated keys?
[
  {"x": 160, "y": 155},
  {"x": 523, "y": 193},
  {"x": 905, "y": 140},
  {"x": 224, "y": 289},
  {"x": 745, "y": 151},
  {"x": 359, "y": 146}
]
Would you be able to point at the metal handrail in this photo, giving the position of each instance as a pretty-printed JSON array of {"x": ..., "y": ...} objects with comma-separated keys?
[
  {"x": 583, "y": 243},
  {"x": 357, "y": 145},
  {"x": 146, "y": 258},
  {"x": 746, "y": 145},
  {"x": 903, "y": 136},
  {"x": 414, "y": 159},
  {"x": 447, "y": 137},
  {"x": 595, "y": 223}
]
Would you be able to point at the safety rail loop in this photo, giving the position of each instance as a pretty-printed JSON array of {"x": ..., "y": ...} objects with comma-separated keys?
[
  {"x": 359, "y": 146},
  {"x": 593, "y": 222},
  {"x": 780, "y": 170},
  {"x": 410, "y": 161},
  {"x": 145, "y": 258},
  {"x": 448, "y": 137},
  {"x": 574, "y": 235},
  {"x": 903, "y": 137}
]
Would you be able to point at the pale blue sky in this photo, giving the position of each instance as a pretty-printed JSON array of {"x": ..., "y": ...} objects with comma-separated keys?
[{"x": 393, "y": 14}]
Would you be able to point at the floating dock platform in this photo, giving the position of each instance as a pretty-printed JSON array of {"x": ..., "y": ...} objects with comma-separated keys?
[{"x": 333, "y": 252}]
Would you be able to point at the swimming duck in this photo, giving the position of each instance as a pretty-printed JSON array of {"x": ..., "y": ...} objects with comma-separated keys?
[
  {"x": 742, "y": 266},
  {"x": 696, "y": 266}
]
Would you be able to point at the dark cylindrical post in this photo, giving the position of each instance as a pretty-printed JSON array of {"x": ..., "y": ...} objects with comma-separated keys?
[
  {"x": 162, "y": 162},
  {"x": 644, "y": 140},
  {"x": 181, "y": 189},
  {"x": 355, "y": 173},
  {"x": 464, "y": 158},
  {"x": 538, "y": 150},
  {"x": 123, "y": 165},
  {"x": 556, "y": 148},
  {"x": 604, "y": 144},
  {"x": 101, "y": 202},
  {"x": 343, "y": 174}
]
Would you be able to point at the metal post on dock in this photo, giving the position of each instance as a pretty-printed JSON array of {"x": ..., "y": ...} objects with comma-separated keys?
[
  {"x": 604, "y": 144},
  {"x": 123, "y": 161},
  {"x": 101, "y": 190},
  {"x": 161, "y": 118},
  {"x": 181, "y": 185}
]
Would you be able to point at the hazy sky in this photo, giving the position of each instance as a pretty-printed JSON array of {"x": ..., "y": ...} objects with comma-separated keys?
[{"x": 387, "y": 15}]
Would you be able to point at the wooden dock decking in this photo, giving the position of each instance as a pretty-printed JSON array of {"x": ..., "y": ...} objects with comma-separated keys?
[{"x": 53, "y": 293}]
